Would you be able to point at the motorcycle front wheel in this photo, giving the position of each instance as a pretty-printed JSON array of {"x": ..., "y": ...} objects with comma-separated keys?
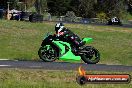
[{"x": 47, "y": 53}]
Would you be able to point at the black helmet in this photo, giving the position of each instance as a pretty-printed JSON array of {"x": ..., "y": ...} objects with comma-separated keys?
[{"x": 58, "y": 26}]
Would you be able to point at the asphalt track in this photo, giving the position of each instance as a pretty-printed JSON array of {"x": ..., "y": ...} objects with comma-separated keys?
[
  {"x": 62, "y": 66},
  {"x": 123, "y": 26},
  {"x": 95, "y": 24}
]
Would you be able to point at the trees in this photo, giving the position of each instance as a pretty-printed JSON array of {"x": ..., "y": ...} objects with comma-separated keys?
[
  {"x": 29, "y": 3},
  {"x": 86, "y": 8},
  {"x": 112, "y": 7},
  {"x": 83, "y": 8},
  {"x": 129, "y": 2},
  {"x": 74, "y": 6},
  {"x": 15, "y": 4},
  {"x": 58, "y": 7},
  {"x": 41, "y": 6},
  {"x": 3, "y": 4}
]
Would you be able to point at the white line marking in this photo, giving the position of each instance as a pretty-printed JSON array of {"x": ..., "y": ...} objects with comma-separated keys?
[
  {"x": 5, "y": 65},
  {"x": 8, "y": 59},
  {"x": 4, "y": 59}
]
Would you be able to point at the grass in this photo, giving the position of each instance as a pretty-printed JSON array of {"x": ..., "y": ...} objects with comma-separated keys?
[
  {"x": 21, "y": 40},
  {"x": 129, "y": 16},
  {"x": 30, "y": 78}
]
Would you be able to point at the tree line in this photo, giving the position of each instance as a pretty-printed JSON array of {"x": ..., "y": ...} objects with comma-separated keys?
[
  {"x": 82, "y": 8},
  {"x": 91, "y": 8}
]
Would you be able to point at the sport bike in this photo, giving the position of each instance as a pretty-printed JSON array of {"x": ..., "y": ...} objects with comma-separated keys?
[{"x": 53, "y": 48}]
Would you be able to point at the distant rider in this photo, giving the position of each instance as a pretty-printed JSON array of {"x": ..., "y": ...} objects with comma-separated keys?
[{"x": 115, "y": 19}]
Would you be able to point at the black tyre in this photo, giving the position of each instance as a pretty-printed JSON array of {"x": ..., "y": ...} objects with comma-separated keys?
[
  {"x": 120, "y": 24},
  {"x": 110, "y": 22},
  {"x": 91, "y": 56},
  {"x": 47, "y": 53}
]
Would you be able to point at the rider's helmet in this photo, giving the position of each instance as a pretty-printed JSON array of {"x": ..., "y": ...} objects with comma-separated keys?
[{"x": 59, "y": 27}]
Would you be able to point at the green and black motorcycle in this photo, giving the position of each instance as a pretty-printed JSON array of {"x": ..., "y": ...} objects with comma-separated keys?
[{"x": 53, "y": 48}]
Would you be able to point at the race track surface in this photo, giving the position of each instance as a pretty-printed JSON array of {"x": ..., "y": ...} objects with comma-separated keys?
[
  {"x": 62, "y": 66},
  {"x": 96, "y": 24}
]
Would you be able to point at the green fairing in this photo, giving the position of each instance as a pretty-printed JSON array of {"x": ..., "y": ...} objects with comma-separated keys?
[
  {"x": 87, "y": 40},
  {"x": 70, "y": 56},
  {"x": 66, "y": 55},
  {"x": 62, "y": 48}
]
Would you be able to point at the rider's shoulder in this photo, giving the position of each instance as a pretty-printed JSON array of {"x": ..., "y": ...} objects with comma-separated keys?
[{"x": 66, "y": 29}]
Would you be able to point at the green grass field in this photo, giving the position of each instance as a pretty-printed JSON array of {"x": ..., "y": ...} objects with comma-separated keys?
[
  {"x": 21, "y": 40},
  {"x": 30, "y": 78}
]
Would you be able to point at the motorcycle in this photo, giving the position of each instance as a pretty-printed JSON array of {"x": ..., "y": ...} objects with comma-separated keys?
[
  {"x": 116, "y": 22},
  {"x": 53, "y": 48}
]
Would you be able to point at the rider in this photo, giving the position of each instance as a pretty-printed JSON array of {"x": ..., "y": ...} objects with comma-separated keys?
[
  {"x": 68, "y": 35},
  {"x": 115, "y": 19}
]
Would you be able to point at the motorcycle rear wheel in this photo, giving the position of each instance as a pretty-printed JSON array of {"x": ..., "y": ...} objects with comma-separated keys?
[{"x": 92, "y": 56}]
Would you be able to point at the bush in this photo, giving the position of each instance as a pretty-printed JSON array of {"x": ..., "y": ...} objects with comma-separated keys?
[
  {"x": 70, "y": 16},
  {"x": 102, "y": 17}
]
